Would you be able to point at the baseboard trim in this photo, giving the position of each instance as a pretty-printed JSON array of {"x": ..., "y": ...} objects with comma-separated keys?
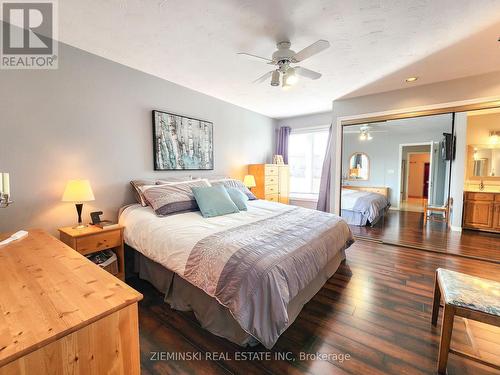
[{"x": 455, "y": 229}]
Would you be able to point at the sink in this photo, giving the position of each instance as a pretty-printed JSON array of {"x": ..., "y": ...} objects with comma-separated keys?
[{"x": 487, "y": 189}]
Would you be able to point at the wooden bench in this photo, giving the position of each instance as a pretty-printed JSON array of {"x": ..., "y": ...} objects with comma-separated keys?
[{"x": 466, "y": 296}]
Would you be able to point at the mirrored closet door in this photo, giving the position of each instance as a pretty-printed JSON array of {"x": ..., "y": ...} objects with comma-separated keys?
[{"x": 396, "y": 178}]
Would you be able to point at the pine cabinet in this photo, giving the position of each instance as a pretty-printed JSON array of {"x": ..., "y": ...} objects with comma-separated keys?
[
  {"x": 272, "y": 180},
  {"x": 482, "y": 211}
]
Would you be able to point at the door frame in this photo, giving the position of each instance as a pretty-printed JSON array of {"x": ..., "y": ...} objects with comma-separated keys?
[
  {"x": 401, "y": 145},
  {"x": 427, "y": 172}
]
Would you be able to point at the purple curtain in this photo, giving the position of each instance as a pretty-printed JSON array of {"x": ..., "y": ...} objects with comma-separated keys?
[
  {"x": 282, "y": 142},
  {"x": 326, "y": 175}
]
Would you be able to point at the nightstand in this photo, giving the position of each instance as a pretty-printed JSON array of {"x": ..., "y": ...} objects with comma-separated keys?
[{"x": 93, "y": 239}]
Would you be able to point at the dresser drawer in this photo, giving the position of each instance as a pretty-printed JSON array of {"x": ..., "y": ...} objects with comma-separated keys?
[
  {"x": 480, "y": 196},
  {"x": 98, "y": 242},
  {"x": 497, "y": 197},
  {"x": 271, "y": 189},
  {"x": 271, "y": 197},
  {"x": 271, "y": 180},
  {"x": 271, "y": 170}
]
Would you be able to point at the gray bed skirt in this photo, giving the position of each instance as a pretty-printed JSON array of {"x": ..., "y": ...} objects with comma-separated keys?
[
  {"x": 212, "y": 316},
  {"x": 360, "y": 220}
]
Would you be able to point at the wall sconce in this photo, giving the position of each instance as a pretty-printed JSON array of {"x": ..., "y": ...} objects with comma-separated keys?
[
  {"x": 494, "y": 137},
  {"x": 5, "y": 190}
]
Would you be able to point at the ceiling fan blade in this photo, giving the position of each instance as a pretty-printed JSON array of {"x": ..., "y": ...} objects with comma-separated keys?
[
  {"x": 254, "y": 56},
  {"x": 311, "y": 74},
  {"x": 264, "y": 77},
  {"x": 313, "y": 49}
]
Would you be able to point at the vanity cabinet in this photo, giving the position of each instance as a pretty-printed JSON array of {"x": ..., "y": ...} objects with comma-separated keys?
[{"x": 482, "y": 211}]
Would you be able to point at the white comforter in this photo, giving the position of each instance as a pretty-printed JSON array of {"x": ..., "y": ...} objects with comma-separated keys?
[
  {"x": 169, "y": 240},
  {"x": 370, "y": 205},
  {"x": 351, "y": 197}
]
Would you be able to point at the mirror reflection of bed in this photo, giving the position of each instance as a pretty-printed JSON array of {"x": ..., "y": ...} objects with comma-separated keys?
[{"x": 393, "y": 171}]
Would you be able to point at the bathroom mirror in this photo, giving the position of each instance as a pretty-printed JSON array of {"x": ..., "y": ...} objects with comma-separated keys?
[
  {"x": 484, "y": 161},
  {"x": 359, "y": 167}
]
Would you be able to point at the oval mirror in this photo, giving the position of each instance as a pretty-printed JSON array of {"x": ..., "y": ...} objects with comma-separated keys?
[{"x": 359, "y": 166}]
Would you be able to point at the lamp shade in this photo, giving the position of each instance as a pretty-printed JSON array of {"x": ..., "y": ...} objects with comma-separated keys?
[
  {"x": 78, "y": 191},
  {"x": 249, "y": 181}
]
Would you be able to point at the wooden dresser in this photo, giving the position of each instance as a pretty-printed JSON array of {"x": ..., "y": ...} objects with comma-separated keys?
[
  {"x": 482, "y": 211},
  {"x": 62, "y": 314},
  {"x": 272, "y": 180}
]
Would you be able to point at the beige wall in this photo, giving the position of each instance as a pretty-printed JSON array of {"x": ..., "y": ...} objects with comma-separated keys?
[
  {"x": 479, "y": 126},
  {"x": 478, "y": 131}
]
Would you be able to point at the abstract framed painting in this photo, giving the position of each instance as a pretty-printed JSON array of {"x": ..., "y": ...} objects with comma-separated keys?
[{"x": 182, "y": 143}]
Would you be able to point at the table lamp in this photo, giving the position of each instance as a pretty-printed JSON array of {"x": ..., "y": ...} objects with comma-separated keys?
[
  {"x": 78, "y": 191},
  {"x": 249, "y": 181}
]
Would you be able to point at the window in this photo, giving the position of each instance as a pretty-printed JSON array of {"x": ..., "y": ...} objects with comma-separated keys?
[{"x": 306, "y": 152}]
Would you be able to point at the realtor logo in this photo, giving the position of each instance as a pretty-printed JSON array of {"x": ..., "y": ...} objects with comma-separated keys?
[{"x": 29, "y": 35}]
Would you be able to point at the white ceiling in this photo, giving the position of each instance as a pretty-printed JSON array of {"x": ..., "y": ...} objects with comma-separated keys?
[{"x": 375, "y": 43}]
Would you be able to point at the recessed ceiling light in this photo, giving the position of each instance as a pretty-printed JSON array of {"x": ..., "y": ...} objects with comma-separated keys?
[{"x": 411, "y": 79}]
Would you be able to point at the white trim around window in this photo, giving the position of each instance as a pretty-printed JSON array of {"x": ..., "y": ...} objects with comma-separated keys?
[{"x": 311, "y": 129}]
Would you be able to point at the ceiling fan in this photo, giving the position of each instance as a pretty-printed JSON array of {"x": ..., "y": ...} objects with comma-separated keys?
[
  {"x": 365, "y": 132},
  {"x": 283, "y": 58}
]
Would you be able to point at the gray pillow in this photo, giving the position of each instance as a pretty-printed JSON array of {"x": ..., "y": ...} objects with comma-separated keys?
[
  {"x": 238, "y": 197},
  {"x": 237, "y": 184},
  {"x": 173, "y": 197},
  {"x": 137, "y": 185},
  {"x": 174, "y": 179}
]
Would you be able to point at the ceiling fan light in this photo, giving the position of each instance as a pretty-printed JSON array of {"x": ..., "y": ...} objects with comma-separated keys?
[
  {"x": 362, "y": 136},
  {"x": 291, "y": 80},
  {"x": 275, "y": 78},
  {"x": 290, "y": 77}
]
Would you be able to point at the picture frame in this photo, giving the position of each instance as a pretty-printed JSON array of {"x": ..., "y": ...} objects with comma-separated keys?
[{"x": 181, "y": 142}]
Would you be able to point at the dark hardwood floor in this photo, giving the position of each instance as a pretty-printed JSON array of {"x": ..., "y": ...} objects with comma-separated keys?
[
  {"x": 376, "y": 309},
  {"x": 406, "y": 228}
]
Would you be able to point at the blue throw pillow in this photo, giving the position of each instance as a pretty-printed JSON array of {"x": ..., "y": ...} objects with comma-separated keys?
[
  {"x": 214, "y": 201},
  {"x": 238, "y": 197}
]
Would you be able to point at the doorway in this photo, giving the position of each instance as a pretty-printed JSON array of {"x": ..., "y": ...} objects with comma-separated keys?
[
  {"x": 425, "y": 191},
  {"x": 415, "y": 180}
]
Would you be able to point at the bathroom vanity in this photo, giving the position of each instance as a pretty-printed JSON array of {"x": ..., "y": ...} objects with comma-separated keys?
[{"x": 482, "y": 211}]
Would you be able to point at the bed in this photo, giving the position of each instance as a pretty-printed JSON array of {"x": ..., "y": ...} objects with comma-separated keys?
[
  {"x": 364, "y": 205},
  {"x": 246, "y": 276}
]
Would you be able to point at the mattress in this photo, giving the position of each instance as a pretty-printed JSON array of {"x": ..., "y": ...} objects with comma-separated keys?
[{"x": 253, "y": 263}]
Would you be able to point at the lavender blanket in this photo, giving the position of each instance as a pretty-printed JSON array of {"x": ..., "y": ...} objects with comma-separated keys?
[{"x": 256, "y": 269}]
